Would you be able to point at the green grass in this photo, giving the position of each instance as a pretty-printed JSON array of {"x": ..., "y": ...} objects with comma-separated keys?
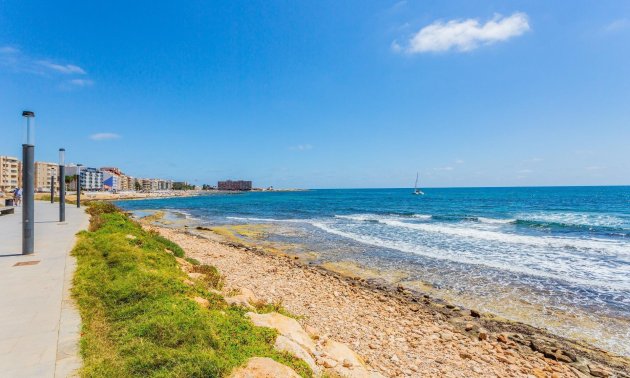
[{"x": 138, "y": 318}]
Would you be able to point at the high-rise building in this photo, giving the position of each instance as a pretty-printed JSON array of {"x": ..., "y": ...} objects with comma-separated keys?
[
  {"x": 43, "y": 172},
  {"x": 10, "y": 173},
  {"x": 111, "y": 181},
  {"x": 91, "y": 178},
  {"x": 234, "y": 185}
]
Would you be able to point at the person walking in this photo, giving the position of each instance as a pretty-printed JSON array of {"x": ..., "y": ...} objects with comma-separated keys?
[{"x": 17, "y": 196}]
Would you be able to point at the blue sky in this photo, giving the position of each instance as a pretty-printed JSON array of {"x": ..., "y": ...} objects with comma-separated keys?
[{"x": 325, "y": 93}]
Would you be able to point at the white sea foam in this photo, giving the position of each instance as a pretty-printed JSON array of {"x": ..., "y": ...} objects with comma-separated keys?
[
  {"x": 270, "y": 220},
  {"x": 610, "y": 247},
  {"x": 495, "y": 220},
  {"x": 577, "y": 219},
  {"x": 542, "y": 262}
]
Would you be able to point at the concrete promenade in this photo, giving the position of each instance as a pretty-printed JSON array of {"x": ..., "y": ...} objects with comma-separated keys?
[{"x": 39, "y": 325}]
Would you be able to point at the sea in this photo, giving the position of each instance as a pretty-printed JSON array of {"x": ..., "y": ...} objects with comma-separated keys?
[{"x": 553, "y": 257}]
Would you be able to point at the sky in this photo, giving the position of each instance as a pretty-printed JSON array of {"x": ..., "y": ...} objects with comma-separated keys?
[{"x": 324, "y": 94}]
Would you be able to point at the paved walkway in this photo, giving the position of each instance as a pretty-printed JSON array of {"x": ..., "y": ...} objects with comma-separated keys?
[{"x": 39, "y": 325}]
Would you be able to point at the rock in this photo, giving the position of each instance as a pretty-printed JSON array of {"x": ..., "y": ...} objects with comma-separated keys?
[
  {"x": 131, "y": 237},
  {"x": 284, "y": 344},
  {"x": 538, "y": 373},
  {"x": 244, "y": 299},
  {"x": 475, "y": 314},
  {"x": 469, "y": 326},
  {"x": 446, "y": 336},
  {"x": 483, "y": 334},
  {"x": 346, "y": 363},
  {"x": 203, "y": 302},
  {"x": 465, "y": 356},
  {"x": 502, "y": 338},
  {"x": 286, "y": 326},
  {"x": 195, "y": 276},
  {"x": 263, "y": 367},
  {"x": 340, "y": 352},
  {"x": 598, "y": 371},
  {"x": 414, "y": 308},
  {"x": 239, "y": 301},
  {"x": 329, "y": 363},
  {"x": 312, "y": 332}
]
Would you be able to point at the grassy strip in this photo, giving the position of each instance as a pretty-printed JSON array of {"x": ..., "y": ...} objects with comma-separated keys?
[{"x": 138, "y": 315}]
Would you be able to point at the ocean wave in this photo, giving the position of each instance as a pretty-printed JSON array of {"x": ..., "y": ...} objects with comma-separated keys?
[
  {"x": 543, "y": 265},
  {"x": 495, "y": 220},
  {"x": 270, "y": 220},
  {"x": 377, "y": 217},
  {"x": 601, "y": 245},
  {"x": 576, "y": 220}
]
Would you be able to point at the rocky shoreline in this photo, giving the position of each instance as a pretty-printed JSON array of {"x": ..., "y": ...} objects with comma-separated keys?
[{"x": 398, "y": 331}]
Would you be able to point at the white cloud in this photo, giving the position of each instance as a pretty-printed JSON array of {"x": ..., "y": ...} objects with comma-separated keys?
[
  {"x": 8, "y": 50},
  {"x": 62, "y": 68},
  {"x": 594, "y": 168},
  {"x": 81, "y": 82},
  {"x": 104, "y": 136},
  {"x": 617, "y": 25},
  {"x": 301, "y": 147},
  {"x": 14, "y": 60},
  {"x": 459, "y": 161},
  {"x": 466, "y": 35},
  {"x": 444, "y": 169}
]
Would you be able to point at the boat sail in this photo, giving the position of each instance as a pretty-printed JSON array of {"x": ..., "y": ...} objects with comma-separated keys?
[{"x": 417, "y": 191}]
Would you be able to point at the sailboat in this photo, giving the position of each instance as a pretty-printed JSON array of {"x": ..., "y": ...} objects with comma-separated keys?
[{"x": 417, "y": 191}]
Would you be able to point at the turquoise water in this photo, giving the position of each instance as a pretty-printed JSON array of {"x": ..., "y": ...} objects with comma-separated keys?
[{"x": 556, "y": 257}]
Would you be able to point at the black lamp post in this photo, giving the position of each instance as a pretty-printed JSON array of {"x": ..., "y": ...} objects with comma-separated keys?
[
  {"x": 79, "y": 185},
  {"x": 62, "y": 185},
  {"x": 28, "y": 185},
  {"x": 52, "y": 185}
]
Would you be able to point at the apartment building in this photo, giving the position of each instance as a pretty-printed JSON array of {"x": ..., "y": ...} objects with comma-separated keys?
[
  {"x": 43, "y": 172},
  {"x": 10, "y": 173},
  {"x": 111, "y": 181},
  {"x": 91, "y": 178},
  {"x": 234, "y": 185}
]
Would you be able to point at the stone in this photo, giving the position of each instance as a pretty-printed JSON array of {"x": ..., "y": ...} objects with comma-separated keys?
[
  {"x": 469, "y": 326},
  {"x": 286, "y": 326},
  {"x": 284, "y": 344},
  {"x": 598, "y": 371},
  {"x": 346, "y": 363},
  {"x": 483, "y": 334},
  {"x": 312, "y": 332},
  {"x": 203, "y": 302},
  {"x": 538, "y": 373},
  {"x": 475, "y": 314},
  {"x": 465, "y": 356},
  {"x": 502, "y": 338},
  {"x": 195, "y": 276},
  {"x": 263, "y": 367},
  {"x": 239, "y": 301}
]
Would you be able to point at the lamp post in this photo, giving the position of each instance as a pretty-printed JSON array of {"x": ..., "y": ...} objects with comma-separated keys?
[
  {"x": 79, "y": 185},
  {"x": 28, "y": 185},
  {"x": 62, "y": 185},
  {"x": 52, "y": 185}
]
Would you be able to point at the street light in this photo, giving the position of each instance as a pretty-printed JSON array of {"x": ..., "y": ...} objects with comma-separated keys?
[
  {"x": 28, "y": 185},
  {"x": 79, "y": 185},
  {"x": 62, "y": 185},
  {"x": 52, "y": 184}
]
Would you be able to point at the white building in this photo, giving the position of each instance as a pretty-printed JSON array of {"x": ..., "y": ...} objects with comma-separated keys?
[
  {"x": 91, "y": 178},
  {"x": 111, "y": 181}
]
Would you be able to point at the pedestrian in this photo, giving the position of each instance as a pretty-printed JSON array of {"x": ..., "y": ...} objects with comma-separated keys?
[{"x": 17, "y": 196}]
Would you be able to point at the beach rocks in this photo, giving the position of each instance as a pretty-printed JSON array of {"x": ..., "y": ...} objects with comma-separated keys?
[
  {"x": 203, "y": 302},
  {"x": 284, "y": 344},
  {"x": 286, "y": 326},
  {"x": 263, "y": 367},
  {"x": 244, "y": 299}
]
